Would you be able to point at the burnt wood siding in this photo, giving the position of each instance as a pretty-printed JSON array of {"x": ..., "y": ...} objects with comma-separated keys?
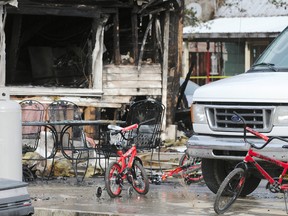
[{"x": 122, "y": 82}]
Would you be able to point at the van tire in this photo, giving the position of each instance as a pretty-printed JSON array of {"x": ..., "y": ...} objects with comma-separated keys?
[{"x": 215, "y": 171}]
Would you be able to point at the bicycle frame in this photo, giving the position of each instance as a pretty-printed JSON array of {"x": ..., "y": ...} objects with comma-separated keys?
[
  {"x": 131, "y": 153},
  {"x": 179, "y": 169},
  {"x": 252, "y": 153},
  {"x": 232, "y": 185},
  {"x": 249, "y": 159}
]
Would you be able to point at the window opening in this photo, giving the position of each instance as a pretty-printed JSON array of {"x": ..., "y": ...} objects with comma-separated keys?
[{"x": 51, "y": 51}]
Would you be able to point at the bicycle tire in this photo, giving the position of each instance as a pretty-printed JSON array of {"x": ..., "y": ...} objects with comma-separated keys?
[
  {"x": 194, "y": 172},
  {"x": 184, "y": 158},
  {"x": 140, "y": 181},
  {"x": 113, "y": 179},
  {"x": 229, "y": 190},
  {"x": 194, "y": 175}
]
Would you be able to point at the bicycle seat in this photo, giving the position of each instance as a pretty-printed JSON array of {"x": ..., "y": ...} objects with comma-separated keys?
[{"x": 114, "y": 127}]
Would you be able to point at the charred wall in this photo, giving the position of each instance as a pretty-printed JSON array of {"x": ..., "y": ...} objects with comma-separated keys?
[{"x": 50, "y": 44}]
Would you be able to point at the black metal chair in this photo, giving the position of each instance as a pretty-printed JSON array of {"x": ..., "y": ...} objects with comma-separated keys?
[
  {"x": 149, "y": 115},
  {"x": 71, "y": 140}
]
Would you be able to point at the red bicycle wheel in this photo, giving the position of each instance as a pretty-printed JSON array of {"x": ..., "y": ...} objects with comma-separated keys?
[
  {"x": 192, "y": 172},
  {"x": 229, "y": 190},
  {"x": 140, "y": 181},
  {"x": 113, "y": 180}
]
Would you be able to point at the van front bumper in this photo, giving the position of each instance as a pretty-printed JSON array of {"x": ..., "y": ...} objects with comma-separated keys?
[{"x": 232, "y": 148}]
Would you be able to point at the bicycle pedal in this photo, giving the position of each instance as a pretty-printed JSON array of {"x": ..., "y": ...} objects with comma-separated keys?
[
  {"x": 125, "y": 171},
  {"x": 129, "y": 178},
  {"x": 188, "y": 182}
]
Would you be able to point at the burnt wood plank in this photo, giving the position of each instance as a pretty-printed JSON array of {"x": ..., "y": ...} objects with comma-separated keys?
[
  {"x": 133, "y": 77},
  {"x": 132, "y": 84},
  {"x": 146, "y": 68},
  {"x": 134, "y": 20},
  {"x": 133, "y": 91},
  {"x": 116, "y": 39}
]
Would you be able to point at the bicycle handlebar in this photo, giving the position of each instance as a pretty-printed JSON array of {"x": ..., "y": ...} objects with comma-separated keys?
[
  {"x": 256, "y": 133},
  {"x": 117, "y": 129},
  {"x": 122, "y": 131},
  {"x": 130, "y": 127}
]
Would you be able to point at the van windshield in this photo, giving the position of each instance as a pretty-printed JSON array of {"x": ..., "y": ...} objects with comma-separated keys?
[{"x": 275, "y": 57}]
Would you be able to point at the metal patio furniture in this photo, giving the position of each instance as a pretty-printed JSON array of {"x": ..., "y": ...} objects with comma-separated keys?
[
  {"x": 31, "y": 111},
  {"x": 149, "y": 114},
  {"x": 71, "y": 139}
]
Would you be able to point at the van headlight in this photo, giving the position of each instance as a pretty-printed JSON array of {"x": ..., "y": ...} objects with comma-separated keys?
[
  {"x": 281, "y": 115},
  {"x": 198, "y": 114}
]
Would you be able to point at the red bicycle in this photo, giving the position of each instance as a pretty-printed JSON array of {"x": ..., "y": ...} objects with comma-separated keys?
[
  {"x": 231, "y": 187},
  {"x": 189, "y": 169},
  {"x": 128, "y": 167}
]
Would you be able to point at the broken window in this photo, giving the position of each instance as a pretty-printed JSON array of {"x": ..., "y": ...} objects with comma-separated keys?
[
  {"x": 45, "y": 50},
  {"x": 136, "y": 33}
]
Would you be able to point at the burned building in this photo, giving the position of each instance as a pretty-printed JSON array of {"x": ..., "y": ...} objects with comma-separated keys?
[{"x": 100, "y": 54}]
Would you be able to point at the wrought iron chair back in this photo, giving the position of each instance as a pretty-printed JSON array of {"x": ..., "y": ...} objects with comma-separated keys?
[
  {"x": 149, "y": 115},
  {"x": 62, "y": 110},
  {"x": 32, "y": 111},
  {"x": 72, "y": 140}
]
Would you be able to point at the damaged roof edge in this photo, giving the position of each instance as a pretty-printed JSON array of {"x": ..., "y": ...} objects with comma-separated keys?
[
  {"x": 58, "y": 10},
  {"x": 227, "y": 36},
  {"x": 237, "y": 27}
]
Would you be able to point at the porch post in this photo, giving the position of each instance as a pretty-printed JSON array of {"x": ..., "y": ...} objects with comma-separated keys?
[
  {"x": 165, "y": 64},
  {"x": 97, "y": 55}
]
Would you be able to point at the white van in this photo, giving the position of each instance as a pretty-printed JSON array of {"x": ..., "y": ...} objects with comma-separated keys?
[{"x": 260, "y": 95}]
